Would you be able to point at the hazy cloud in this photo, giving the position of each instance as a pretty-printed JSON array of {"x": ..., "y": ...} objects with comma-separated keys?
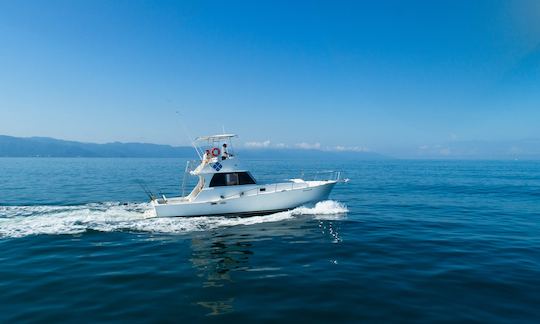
[
  {"x": 304, "y": 146},
  {"x": 264, "y": 144},
  {"x": 308, "y": 146},
  {"x": 445, "y": 151},
  {"x": 349, "y": 148}
]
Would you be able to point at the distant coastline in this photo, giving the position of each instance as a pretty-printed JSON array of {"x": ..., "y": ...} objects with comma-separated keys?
[
  {"x": 11, "y": 146},
  {"x": 527, "y": 149}
]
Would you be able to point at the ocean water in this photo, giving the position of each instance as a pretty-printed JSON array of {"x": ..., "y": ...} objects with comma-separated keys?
[{"x": 403, "y": 241}]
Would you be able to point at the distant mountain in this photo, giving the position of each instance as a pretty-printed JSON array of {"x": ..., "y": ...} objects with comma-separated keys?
[{"x": 50, "y": 147}]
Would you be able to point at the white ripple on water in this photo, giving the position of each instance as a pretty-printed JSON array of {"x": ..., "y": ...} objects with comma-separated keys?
[{"x": 20, "y": 221}]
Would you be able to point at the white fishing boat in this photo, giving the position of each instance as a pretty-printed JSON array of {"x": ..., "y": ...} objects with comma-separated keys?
[{"x": 225, "y": 187}]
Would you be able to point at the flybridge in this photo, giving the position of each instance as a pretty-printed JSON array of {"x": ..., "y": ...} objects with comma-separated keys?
[{"x": 213, "y": 144}]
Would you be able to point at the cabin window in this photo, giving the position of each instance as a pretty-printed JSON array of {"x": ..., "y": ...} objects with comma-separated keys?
[
  {"x": 231, "y": 179},
  {"x": 245, "y": 178}
]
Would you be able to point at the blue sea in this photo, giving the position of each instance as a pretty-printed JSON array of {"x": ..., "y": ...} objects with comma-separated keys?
[{"x": 402, "y": 241}]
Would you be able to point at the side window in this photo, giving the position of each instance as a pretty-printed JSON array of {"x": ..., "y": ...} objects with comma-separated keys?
[
  {"x": 231, "y": 179},
  {"x": 218, "y": 180},
  {"x": 245, "y": 178}
]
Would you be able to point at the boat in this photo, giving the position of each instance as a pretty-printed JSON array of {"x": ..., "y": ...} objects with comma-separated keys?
[{"x": 225, "y": 187}]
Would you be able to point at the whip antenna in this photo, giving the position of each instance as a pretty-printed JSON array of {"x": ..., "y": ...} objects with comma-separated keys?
[{"x": 187, "y": 134}]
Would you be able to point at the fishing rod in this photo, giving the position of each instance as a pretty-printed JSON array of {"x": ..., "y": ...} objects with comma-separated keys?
[{"x": 147, "y": 191}]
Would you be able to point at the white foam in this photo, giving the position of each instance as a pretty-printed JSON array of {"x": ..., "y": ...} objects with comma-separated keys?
[
  {"x": 20, "y": 221},
  {"x": 322, "y": 209}
]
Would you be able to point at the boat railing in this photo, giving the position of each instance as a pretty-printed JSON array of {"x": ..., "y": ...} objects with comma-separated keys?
[
  {"x": 291, "y": 185},
  {"x": 284, "y": 186},
  {"x": 191, "y": 165},
  {"x": 269, "y": 188},
  {"x": 329, "y": 175}
]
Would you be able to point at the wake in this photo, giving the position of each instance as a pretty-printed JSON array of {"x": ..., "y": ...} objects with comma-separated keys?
[{"x": 20, "y": 221}]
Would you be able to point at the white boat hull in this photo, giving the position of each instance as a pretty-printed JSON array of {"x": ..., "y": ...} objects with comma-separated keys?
[{"x": 245, "y": 204}]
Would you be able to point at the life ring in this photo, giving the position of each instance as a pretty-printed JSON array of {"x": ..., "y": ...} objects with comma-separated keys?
[{"x": 215, "y": 152}]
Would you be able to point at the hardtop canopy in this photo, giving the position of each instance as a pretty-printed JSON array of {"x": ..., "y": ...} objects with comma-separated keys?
[{"x": 215, "y": 138}]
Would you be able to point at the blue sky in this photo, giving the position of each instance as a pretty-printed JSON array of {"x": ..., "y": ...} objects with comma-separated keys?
[{"x": 387, "y": 76}]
